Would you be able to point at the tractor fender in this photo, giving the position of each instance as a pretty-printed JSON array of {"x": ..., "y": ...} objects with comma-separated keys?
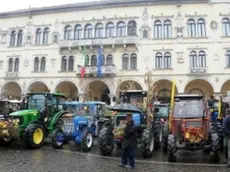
[{"x": 55, "y": 118}]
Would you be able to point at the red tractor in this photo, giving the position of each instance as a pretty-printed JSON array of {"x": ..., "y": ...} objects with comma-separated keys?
[{"x": 190, "y": 129}]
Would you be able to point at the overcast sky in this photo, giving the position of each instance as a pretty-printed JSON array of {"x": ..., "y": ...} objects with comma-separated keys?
[{"x": 10, "y": 5}]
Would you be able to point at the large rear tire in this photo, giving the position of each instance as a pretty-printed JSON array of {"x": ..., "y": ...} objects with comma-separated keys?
[
  {"x": 219, "y": 131},
  {"x": 165, "y": 134},
  {"x": 215, "y": 148},
  {"x": 147, "y": 143},
  {"x": 172, "y": 149},
  {"x": 58, "y": 138},
  {"x": 87, "y": 141},
  {"x": 105, "y": 141},
  {"x": 157, "y": 131},
  {"x": 34, "y": 135}
]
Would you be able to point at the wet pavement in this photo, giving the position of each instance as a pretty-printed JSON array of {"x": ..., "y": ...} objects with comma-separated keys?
[{"x": 72, "y": 159}]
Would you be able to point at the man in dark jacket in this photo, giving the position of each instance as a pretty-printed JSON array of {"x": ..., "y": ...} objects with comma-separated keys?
[
  {"x": 226, "y": 129},
  {"x": 129, "y": 143}
]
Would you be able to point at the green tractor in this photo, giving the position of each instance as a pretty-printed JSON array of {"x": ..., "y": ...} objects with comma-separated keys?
[{"x": 41, "y": 113}]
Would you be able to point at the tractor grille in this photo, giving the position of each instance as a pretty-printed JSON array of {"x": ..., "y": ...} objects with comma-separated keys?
[
  {"x": 119, "y": 118},
  {"x": 194, "y": 123},
  {"x": 21, "y": 119}
]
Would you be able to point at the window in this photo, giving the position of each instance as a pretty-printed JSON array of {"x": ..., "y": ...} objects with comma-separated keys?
[
  {"x": 110, "y": 31},
  {"x": 125, "y": 61},
  {"x": 16, "y": 65},
  {"x": 94, "y": 60},
  {"x": 20, "y": 35},
  {"x": 193, "y": 59},
  {"x": 202, "y": 59},
  {"x": 228, "y": 58},
  {"x": 71, "y": 63},
  {"x": 68, "y": 32},
  {"x": 167, "y": 29},
  {"x": 63, "y": 64},
  {"x": 46, "y": 36},
  {"x": 132, "y": 28},
  {"x": 109, "y": 60},
  {"x": 36, "y": 64},
  {"x": 88, "y": 31},
  {"x": 159, "y": 61},
  {"x": 38, "y": 36},
  {"x": 133, "y": 61},
  {"x": 13, "y": 38},
  {"x": 201, "y": 28},
  {"x": 226, "y": 27},
  {"x": 191, "y": 28},
  {"x": 78, "y": 32},
  {"x": 121, "y": 29},
  {"x": 99, "y": 30},
  {"x": 167, "y": 60},
  {"x": 157, "y": 29},
  {"x": 43, "y": 64},
  {"x": 10, "y": 65}
]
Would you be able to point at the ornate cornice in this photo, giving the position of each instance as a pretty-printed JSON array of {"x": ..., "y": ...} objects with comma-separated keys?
[
  {"x": 93, "y": 5},
  {"x": 195, "y": 15}
]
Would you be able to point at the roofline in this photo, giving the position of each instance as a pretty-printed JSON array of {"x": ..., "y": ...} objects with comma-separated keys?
[{"x": 90, "y": 6}]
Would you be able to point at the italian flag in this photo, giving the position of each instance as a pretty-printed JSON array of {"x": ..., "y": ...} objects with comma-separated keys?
[{"x": 84, "y": 62}]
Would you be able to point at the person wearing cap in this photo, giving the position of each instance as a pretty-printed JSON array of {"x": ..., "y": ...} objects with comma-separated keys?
[
  {"x": 226, "y": 131},
  {"x": 129, "y": 143}
]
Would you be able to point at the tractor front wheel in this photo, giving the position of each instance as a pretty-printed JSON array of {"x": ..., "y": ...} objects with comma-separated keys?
[
  {"x": 165, "y": 133},
  {"x": 58, "y": 138},
  {"x": 215, "y": 148},
  {"x": 34, "y": 135},
  {"x": 106, "y": 141},
  {"x": 157, "y": 132},
  {"x": 172, "y": 149},
  {"x": 147, "y": 143},
  {"x": 87, "y": 141}
]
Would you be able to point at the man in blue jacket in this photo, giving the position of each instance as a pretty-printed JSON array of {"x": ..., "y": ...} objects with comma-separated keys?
[{"x": 226, "y": 130}]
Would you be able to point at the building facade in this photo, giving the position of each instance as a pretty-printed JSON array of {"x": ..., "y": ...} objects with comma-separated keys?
[{"x": 189, "y": 41}]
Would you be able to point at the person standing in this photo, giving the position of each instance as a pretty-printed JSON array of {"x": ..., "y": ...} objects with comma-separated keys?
[
  {"x": 129, "y": 143},
  {"x": 226, "y": 131}
]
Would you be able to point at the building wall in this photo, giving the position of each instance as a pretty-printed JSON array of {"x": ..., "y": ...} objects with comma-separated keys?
[{"x": 214, "y": 45}]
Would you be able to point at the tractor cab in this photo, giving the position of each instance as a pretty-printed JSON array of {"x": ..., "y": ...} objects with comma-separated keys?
[
  {"x": 163, "y": 110},
  {"x": 5, "y": 108}
]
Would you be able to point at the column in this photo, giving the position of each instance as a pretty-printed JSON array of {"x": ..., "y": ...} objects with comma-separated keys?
[
  {"x": 81, "y": 97},
  {"x": 112, "y": 103}
]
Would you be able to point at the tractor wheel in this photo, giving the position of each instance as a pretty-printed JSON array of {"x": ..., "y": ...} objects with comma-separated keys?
[
  {"x": 219, "y": 130},
  {"x": 157, "y": 132},
  {"x": 105, "y": 141},
  {"x": 147, "y": 143},
  {"x": 215, "y": 148},
  {"x": 5, "y": 142},
  {"x": 172, "y": 149},
  {"x": 87, "y": 141},
  {"x": 165, "y": 133},
  {"x": 58, "y": 138},
  {"x": 34, "y": 135}
]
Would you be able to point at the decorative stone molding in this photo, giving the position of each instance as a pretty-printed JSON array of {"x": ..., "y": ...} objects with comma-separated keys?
[
  {"x": 224, "y": 14},
  {"x": 145, "y": 15},
  {"x": 145, "y": 31},
  {"x": 213, "y": 25},
  {"x": 196, "y": 15},
  {"x": 179, "y": 25},
  {"x": 215, "y": 57},
  {"x": 162, "y": 16},
  {"x": 180, "y": 58},
  {"x": 1, "y": 64},
  {"x": 3, "y": 36},
  {"x": 26, "y": 62},
  {"x": 55, "y": 37},
  {"x": 53, "y": 60}
]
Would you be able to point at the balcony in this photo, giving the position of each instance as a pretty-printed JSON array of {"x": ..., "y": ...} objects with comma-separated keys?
[
  {"x": 91, "y": 71},
  {"x": 198, "y": 71},
  {"x": 12, "y": 75},
  {"x": 100, "y": 41}
]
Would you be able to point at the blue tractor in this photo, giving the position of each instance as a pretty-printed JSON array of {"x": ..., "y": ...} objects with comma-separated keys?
[{"x": 81, "y": 125}]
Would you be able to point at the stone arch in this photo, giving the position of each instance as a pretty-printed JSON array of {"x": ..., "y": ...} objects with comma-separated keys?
[
  {"x": 97, "y": 91},
  {"x": 202, "y": 85},
  {"x": 68, "y": 88},
  {"x": 163, "y": 90},
  {"x": 11, "y": 90},
  {"x": 130, "y": 85},
  {"x": 225, "y": 87},
  {"x": 37, "y": 86}
]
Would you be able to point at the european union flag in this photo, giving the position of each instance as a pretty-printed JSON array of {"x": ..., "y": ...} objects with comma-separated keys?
[{"x": 99, "y": 62}]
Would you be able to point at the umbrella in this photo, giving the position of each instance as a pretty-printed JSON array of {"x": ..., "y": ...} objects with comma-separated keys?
[
  {"x": 125, "y": 107},
  {"x": 226, "y": 99}
]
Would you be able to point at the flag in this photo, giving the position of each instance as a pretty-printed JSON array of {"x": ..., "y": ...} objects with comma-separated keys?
[
  {"x": 172, "y": 101},
  {"x": 84, "y": 62},
  {"x": 99, "y": 62}
]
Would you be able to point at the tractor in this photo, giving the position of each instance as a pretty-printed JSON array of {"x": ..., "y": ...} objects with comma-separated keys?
[
  {"x": 163, "y": 115},
  {"x": 41, "y": 114},
  {"x": 112, "y": 132},
  {"x": 189, "y": 128},
  {"x": 81, "y": 125},
  {"x": 5, "y": 108}
]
